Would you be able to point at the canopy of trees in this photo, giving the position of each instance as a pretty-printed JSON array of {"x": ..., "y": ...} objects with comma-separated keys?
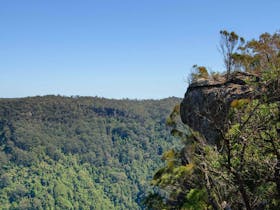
[{"x": 80, "y": 152}]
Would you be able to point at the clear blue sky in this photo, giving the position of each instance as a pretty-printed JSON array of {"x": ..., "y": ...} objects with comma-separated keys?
[{"x": 118, "y": 48}]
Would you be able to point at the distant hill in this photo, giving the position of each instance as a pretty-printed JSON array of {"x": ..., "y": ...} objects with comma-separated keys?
[{"x": 80, "y": 152}]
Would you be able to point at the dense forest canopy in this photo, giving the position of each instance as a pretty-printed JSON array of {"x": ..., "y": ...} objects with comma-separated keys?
[
  {"x": 242, "y": 170},
  {"x": 95, "y": 153},
  {"x": 80, "y": 152}
]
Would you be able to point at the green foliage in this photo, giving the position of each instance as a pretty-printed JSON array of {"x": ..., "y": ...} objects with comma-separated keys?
[
  {"x": 198, "y": 72},
  {"x": 80, "y": 152},
  {"x": 195, "y": 200},
  {"x": 230, "y": 42},
  {"x": 242, "y": 170}
]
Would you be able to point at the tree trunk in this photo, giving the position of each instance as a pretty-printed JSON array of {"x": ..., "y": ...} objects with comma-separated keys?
[{"x": 243, "y": 191}]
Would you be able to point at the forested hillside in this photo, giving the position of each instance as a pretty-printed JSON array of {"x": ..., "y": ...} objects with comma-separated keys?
[{"x": 80, "y": 152}]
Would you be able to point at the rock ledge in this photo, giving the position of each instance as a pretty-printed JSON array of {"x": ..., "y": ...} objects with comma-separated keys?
[{"x": 206, "y": 103}]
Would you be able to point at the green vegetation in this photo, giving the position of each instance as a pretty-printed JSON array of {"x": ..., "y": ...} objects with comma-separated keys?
[
  {"x": 243, "y": 170},
  {"x": 230, "y": 43},
  {"x": 198, "y": 72},
  {"x": 80, "y": 152},
  {"x": 93, "y": 153}
]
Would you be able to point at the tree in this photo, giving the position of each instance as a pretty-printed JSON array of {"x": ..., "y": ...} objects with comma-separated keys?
[
  {"x": 242, "y": 171},
  {"x": 198, "y": 72},
  {"x": 229, "y": 44}
]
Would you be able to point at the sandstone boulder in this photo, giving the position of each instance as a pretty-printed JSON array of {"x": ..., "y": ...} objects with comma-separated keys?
[{"x": 206, "y": 104}]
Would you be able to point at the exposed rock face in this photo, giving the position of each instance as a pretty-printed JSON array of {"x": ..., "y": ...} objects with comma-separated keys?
[{"x": 206, "y": 103}]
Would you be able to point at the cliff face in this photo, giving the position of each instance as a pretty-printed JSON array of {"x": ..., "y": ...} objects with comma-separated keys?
[{"x": 206, "y": 103}]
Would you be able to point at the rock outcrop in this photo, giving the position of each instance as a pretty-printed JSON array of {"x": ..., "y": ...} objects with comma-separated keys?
[{"x": 206, "y": 104}]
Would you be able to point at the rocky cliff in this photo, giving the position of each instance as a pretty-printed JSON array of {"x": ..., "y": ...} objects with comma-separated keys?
[{"x": 206, "y": 104}]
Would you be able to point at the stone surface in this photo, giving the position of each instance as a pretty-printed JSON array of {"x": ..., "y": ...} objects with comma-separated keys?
[{"x": 206, "y": 103}]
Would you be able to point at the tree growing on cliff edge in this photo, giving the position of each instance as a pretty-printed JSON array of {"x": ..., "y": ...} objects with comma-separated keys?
[
  {"x": 198, "y": 72},
  {"x": 260, "y": 55},
  {"x": 243, "y": 170},
  {"x": 229, "y": 44}
]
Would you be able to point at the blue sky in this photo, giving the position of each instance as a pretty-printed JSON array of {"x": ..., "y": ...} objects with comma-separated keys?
[{"x": 118, "y": 48}]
